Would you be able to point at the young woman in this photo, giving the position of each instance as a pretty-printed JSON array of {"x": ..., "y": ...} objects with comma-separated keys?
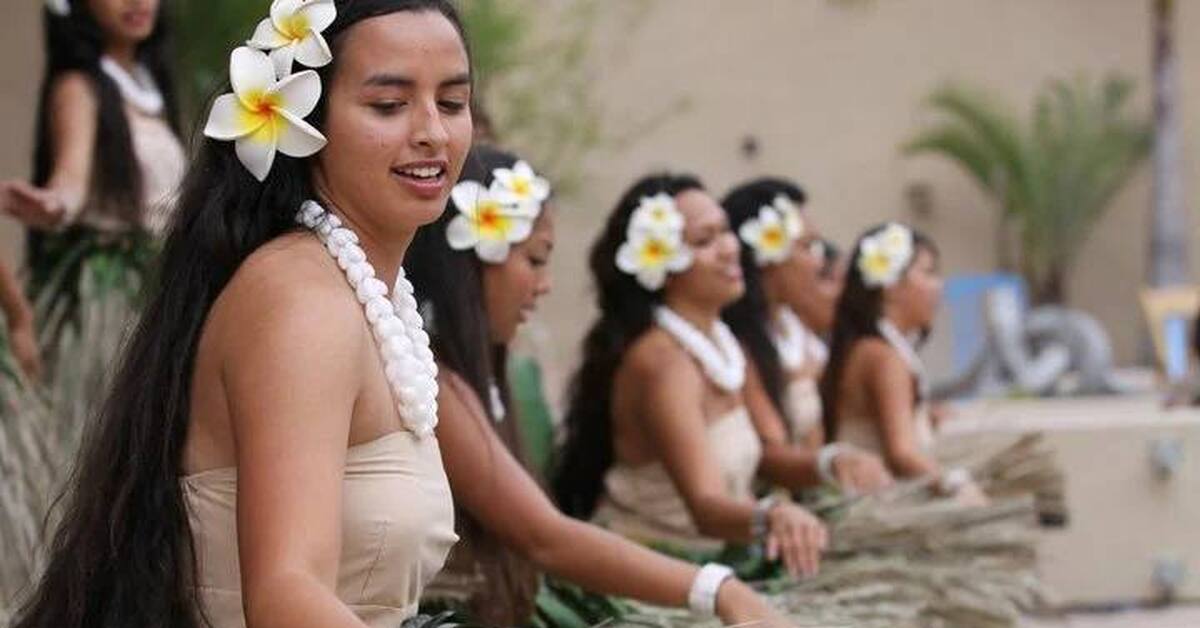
[
  {"x": 660, "y": 446},
  {"x": 874, "y": 391},
  {"x": 266, "y": 456},
  {"x": 107, "y": 158},
  {"x": 18, "y": 319},
  {"x": 782, "y": 258},
  {"x": 495, "y": 241}
]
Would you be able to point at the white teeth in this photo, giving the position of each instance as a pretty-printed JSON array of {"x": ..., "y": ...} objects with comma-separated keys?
[{"x": 428, "y": 172}]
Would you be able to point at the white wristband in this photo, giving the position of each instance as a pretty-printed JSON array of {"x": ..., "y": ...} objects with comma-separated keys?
[
  {"x": 825, "y": 459},
  {"x": 702, "y": 599},
  {"x": 954, "y": 479}
]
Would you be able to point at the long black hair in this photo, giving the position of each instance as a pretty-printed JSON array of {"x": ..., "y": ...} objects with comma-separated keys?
[
  {"x": 748, "y": 317},
  {"x": 449, "y": 286},
  {"x": 857, "y": 317},
  {"x": 75, "y": 43},
  {"x": 626, "y": 312},
  {"x": 122, "y": 554}
]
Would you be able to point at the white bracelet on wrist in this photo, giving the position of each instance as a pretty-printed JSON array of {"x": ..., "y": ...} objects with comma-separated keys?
[
  {"x": 825, "y": 458},
  {"x": 954, "y": 479},
  {"x": 702, "y": 598}
]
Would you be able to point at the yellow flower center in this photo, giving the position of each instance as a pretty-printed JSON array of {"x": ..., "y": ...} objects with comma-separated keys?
[
  {"x": 877, "y": 264},
  {"x": 294, "y": 26},
  {"x": 490, "y": 220},
  {"x": 258, "y": 108},
  {"x": 654, "y": 253},
  {"x": 522, "y": 187},
  {"x": 774, "y": 238}
]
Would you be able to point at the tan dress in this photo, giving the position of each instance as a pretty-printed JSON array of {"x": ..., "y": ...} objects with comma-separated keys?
[
  {"x": 397, "y": 528},
  {"x": 864, "y": 432},
  {"x": 802, "y": 399},
  {"x": 642, "y": 502}
]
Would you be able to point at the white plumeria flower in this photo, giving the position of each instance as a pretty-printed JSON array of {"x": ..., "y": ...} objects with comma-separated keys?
[
  {"x": 882, "y": 259},
  {"x": 792, "y": 218},
  {"x": 293, "y": 32},
  {"x": 520, "y": 186},
  {"x": 485, "y": 223},
  {"x": 768, "y": 235},
  {"x": 898, "y": 240},
  {"x": 657, "y": 214},
  {"x": 650, "y": 256},
  {"x": 263, "y": 115},
  {"x": 61, "y": 8}
]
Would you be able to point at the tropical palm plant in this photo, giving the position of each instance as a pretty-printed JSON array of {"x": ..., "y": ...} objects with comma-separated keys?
[{"x": 1054, "y": 177}]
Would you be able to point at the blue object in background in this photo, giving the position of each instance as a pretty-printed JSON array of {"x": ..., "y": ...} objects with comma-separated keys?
[
  {"x": 965, "y": 297},
  {"x": 1175, "y": 347}
]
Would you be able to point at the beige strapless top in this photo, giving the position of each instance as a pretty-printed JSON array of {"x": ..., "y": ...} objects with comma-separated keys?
[
  {"x": 802, "y": 400},
  {"x": 162, "y": 161},
  {"x": 642, "y": 502},
  {"x": 864, "y": 432},
  {"x": 397, "y": 528}
]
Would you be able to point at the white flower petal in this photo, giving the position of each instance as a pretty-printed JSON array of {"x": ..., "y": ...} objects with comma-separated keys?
[
  {"x": 652, "y": 278},
  {"x": 250, "y": 72},
  {"x": 750, "y": 232},
  {"x": 300, "y": 93},
  {"x": 282, "y": 58},
  {"x": 461, "y": 234},
  {"x": 681, "y": 261},
  {"x": 627, "y": 258},
  {"x": 520, "y": 229},
  {"x": 298, "y": 138},
  {"x": 320, "y": 14},
  {"x": 541, "y": 189},
  {"x": 467, "y": 195},
  {"x": 266, "y": 36},
  {"x": 257, "y": 151},
  {"x": 492, "y": 251},
  {"x": 226, "y": 119},
  {"x": 313, "y": 51},
  {"x": 281, "y": 10}
]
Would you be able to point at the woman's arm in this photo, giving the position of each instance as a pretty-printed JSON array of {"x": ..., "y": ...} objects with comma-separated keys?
[
  {"x": 291, "y": 356},
  {"x": 795, "y": 466},
  {"x": 495, "y": 489},
  {"x": 889, "y": 384},
  {"x": 72, "y": 110},
  {"x": 671, "y": 392},
  {"x": 18, "y": 316}
]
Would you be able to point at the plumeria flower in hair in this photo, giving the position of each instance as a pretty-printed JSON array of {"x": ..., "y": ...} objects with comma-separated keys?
[
  {"x": 654, "y": 245},
  {"x": 882, "y": 257},
  {"x": 293, "y": 32},
  {"x": 768, "y": 235},
  {"x": 520, "y": 186},
  {"x": 263, "y": 115},
  {"x": 793, "y": 220},
  {"x": 61, "y": 8},
  {"x": 485, "y": 223}
]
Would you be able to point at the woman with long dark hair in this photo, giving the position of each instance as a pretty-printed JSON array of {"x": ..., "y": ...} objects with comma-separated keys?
[
  {"x": 266, "y": 456},
  {"x": 660, "y": 446},
  {"x": 495, "y": 240},
  {"x": 782, "y": 258},
  {"x": 874, "y": 391},
  {"x": 107, "y": 159}
]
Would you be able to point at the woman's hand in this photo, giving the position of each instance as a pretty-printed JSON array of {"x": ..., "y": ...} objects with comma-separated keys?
[
  {"x": 24, "y": 348},
  {"x": 738, "y": 604},
  {"x": 36, "y": 207},
  {"x": 860, "y": 472},
  {"x": 796, "y": 536}
]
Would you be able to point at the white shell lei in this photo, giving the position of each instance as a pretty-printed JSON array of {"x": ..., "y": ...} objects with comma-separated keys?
[
  {"x": 138, "y": 89},
  {"x": 791, "y": 340},
  {"x": 397, "y": 325},
  {"x": 908, "y": 354},
  {"x": 723, "y": 362}
]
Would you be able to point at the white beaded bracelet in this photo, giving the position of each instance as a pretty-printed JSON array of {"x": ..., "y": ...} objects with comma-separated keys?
[
  {"x": 825, "y": 458},
  {"x": 702, "y": 598}
]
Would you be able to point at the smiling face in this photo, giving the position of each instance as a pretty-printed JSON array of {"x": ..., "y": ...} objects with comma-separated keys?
[
  {"x": 914, "y": 300},
  {"x": 398, "y": 121},
  {"x": 512, "y": 289},
  {"x": 714, "y": 279},
  {"x": 127, "y": 22}
]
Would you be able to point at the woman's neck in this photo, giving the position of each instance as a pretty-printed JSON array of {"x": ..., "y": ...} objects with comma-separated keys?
[
  {"x": 702, "y": 318},
  {"x": 384, "y": 252},
  {"x": 125, "y": 54},
  {"x": 903, "y": 326}
]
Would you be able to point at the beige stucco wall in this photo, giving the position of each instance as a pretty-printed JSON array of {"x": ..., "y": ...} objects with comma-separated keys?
[{"x": 830, "y": 91}]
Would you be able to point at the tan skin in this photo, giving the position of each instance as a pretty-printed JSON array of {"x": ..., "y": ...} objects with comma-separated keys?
[
  {"x": 18, "y": 316},
  {"x": 663, "y": 403},
  {"x": 72, "y": 108},
  {"x": 793, "y": 284},
  {"x": 878, "y": 383},
  {"x": 497, "y": 491},
  {"x": 284, "y": 411}
]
